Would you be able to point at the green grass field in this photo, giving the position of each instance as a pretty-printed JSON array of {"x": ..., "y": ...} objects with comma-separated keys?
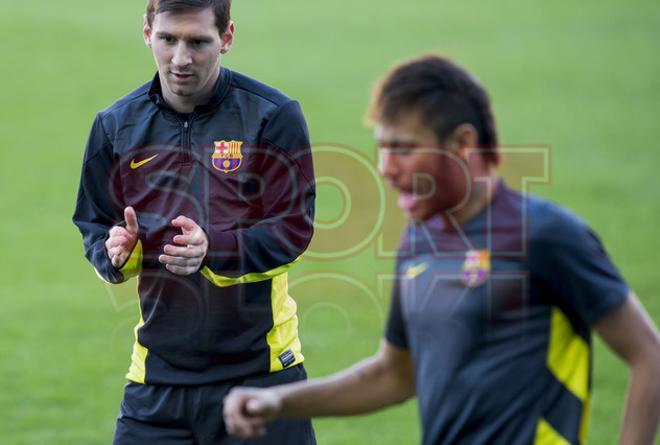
[{"x": 582, "y": 77}]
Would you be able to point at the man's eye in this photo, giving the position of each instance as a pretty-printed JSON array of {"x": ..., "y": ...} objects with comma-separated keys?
[
  {"x": 168, "y": 39},
  {"x": 197, "y": 42},
  {"x": 399, "y": 150}
]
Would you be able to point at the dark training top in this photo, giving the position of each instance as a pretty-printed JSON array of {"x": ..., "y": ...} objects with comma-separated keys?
[
  {"x": 496, "y": 315},
  {"x": 240, "y": 166}
]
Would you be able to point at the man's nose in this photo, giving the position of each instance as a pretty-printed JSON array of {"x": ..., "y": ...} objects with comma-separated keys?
[
  {"x": 388, "y": 165},
  {"x": 181, "y": 56}
]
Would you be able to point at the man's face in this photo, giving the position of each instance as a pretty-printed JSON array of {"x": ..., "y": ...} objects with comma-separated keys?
[
  {"x": 430, "y": 178},
  {"x": 187, "y": 48}
]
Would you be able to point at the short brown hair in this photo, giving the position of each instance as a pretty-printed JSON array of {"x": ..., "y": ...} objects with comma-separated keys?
[
  {"x": 221, "y": 9},
  {"x": 445, "y": 94}
]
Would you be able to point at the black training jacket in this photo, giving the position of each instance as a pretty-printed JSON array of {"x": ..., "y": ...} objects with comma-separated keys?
[{"x": 241, "y": 167}]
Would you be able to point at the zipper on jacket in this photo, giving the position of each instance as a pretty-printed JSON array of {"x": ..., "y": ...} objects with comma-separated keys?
[{"x": 187, "y": 149}]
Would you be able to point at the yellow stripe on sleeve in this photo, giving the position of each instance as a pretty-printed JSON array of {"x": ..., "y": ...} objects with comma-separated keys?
[{"x": 133, "y": 265}]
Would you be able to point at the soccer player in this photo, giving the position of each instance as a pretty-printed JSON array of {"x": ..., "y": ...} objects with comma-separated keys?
[
  {"x": 497, "y": 293},
  {"x": 201, "y": 183}
]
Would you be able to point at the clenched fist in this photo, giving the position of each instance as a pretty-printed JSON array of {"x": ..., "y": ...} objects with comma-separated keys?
[{"x": 247, "y": 411}]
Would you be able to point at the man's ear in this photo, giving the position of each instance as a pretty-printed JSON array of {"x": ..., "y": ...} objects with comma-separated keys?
[
  {"x": 463, "y": 138},
  {"x": 227, "y": 38},
  {"x": 146, "y": 32}
]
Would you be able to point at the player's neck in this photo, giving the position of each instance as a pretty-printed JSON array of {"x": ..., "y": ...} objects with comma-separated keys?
[
  {"x": 482, "y": 191},
  {"x": 187, "y": 104}
]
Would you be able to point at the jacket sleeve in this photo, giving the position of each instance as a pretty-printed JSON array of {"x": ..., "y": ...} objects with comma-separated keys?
[
  {"x": 271, "y": 245},
  {"x": 100, "y": 206},
  {"x": 574, "y": 263}
]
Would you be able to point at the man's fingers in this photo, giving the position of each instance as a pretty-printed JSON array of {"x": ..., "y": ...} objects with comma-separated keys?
[
  {"x": 119, "y": 245},
  {"x": 192, "y": 233},
  {"x": 239, "y": 424},
  {"x": 243, "y": 413},
  {"x": 185, "y": 252},
  {"x": 117, "y": 230},
  {"x": 131, "y": 220},
  {"x": 121, "y": 231},
  {"x": 182, "y": 240},
  {"x": 118, "y": 251},
  {"x": 117, "y": 259},
  {"x": 117, "y": 240},
  {"x": 256, "y": 407},
  {"x": 179, "y": 261},
  {"x": 184, "y": 223},
  {"x": 193, "y": 239},
  {"x": 182, "y": 265},
  {"x": 228, "y": 410}
]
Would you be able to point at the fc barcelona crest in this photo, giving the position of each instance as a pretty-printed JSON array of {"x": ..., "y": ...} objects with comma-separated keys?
[
  {"x": 227, "y": 156},
  {"x": 476, "y": 267}
]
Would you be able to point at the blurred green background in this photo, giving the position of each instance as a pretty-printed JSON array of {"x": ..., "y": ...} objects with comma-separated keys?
[{"x": 581, "y": 77}]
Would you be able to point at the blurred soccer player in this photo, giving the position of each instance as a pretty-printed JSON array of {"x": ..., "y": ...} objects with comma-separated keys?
[
  {"x": 201, "y": 183},
  {"x": 496, "y": 296}
]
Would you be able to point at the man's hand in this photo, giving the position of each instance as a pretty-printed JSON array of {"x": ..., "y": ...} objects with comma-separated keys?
[
  {"x": 121, "y": 240},
  {"x": 185, "y": 256},
  {"x": 379, "y": 381},
  {"x": 247, "y": 411}
]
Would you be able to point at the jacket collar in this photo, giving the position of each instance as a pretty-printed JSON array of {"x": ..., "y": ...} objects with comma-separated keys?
[{"x": 219, "y": 93}]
